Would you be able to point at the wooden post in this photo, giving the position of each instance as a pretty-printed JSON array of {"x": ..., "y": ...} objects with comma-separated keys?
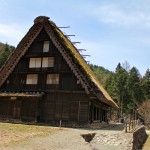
[
  {"x": 126, "y": 125},
  {"x": 132, "y": 124},
  {"x": 100, "y": 115},
  {"x": 60, "y": 123},
  {"x": 79, "y": 113}
]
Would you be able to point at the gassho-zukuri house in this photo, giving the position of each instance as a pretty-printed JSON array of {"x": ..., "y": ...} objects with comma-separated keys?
[{"x": 47, "y": 80}]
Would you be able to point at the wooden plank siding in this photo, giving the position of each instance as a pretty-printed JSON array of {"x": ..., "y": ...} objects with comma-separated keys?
[
  {"x": 19, "y": 108},
  {"x": 56, "y": 106}
]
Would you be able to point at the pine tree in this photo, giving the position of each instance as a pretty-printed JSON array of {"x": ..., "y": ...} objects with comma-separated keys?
[
  {"x": 135, "y": 90},
  {"x": 146, "y": 85},
  {"x": 121, "y": 78},
  {"x": 5, "y": 53}
]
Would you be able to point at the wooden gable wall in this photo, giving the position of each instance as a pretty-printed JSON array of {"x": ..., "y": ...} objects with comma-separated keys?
[{"x": 17, "y": 79}]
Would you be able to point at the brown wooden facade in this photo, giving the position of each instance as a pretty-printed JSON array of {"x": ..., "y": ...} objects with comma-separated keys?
[{"x": 49, "y": 86}]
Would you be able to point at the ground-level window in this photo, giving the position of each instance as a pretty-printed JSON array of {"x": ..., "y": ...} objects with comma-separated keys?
[
  {"x": 35, "y": 63},
  {"x": 46, "y": 46},
  {"x": 47, "y": 62},
  {"x": 52, "y": 79},
  {"x": 32, "y": 79}
]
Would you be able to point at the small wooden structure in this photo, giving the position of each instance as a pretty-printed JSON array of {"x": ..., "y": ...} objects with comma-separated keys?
[{"x": 47, "y": 80}]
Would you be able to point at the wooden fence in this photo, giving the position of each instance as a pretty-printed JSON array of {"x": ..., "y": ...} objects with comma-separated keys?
[{"x": 132, "y": 125}]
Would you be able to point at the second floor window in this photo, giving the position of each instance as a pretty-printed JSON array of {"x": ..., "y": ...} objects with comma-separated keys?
[
  {"x": 46, "y": 46},
  {"x": 35, "y": 63},
  {"x": 41, "y": 62},
  {"x": 32, "y": 79},
  {"x": 47, "y": 62}
]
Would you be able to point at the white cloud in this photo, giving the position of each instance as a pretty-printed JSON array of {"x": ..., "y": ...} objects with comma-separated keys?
[
  {"x": 11, "y": 34},
  {"x": 10, "y": 31},
  {"x": 117, "y": 15}
]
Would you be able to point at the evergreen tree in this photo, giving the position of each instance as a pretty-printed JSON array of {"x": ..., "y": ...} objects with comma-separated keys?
[
  {"x": 135, "y": 89},
  {"x": 109, "y": 85},
  {"x": 5, "y": 53},
  {"x": 121, "y": 77},
  {"x": 146, "y": 84}
]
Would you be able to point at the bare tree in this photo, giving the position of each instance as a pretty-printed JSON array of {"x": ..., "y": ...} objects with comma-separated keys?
[
  {"x": 126, "y": 66},
  {"x": 144, "y": 111}
]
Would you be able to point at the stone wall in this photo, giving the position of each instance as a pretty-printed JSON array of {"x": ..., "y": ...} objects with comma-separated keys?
[{"x": 139, "y": 138}]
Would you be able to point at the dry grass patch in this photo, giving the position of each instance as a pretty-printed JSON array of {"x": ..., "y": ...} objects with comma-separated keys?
[{"x": 12, "y": 133}]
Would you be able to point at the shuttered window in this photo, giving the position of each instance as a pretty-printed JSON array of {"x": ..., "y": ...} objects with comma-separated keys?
[
  {"x": 35, "y": 63},
  {"x": 52, "y": 79},
  {"x": 32, "y": 79},
  {"x": 46, "y": 46},
  {"x": 48, "y": 62}
]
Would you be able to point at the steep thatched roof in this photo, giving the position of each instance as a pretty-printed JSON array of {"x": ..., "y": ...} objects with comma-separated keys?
[{"x": 70, "y": 53}]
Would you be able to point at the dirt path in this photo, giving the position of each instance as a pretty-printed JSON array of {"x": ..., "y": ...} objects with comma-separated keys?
[{"x": 69, "y": 139}]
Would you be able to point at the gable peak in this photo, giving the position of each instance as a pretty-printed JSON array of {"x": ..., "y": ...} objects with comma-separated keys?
[{"x": 41, "y": 19}]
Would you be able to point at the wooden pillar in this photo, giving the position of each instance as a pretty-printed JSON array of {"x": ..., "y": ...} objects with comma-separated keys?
[
  {"x": 99, "y": 115},
  {"x": 95, "y": 113},
  {"x": 79, "y": 112},
  {"x": 92, "y": 113},
  {"x": 102, "y": 115}
]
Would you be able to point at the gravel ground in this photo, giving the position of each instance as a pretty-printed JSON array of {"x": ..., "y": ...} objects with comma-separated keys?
[{"x": 110, "y": 138}]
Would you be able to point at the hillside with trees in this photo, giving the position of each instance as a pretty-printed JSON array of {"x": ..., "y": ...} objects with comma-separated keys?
[
  {"x": 1, "y": 46},
  {"x": 5, "y": 52},
  {"x": 101, "y": 73},
  {"x": 126, "y": 86}
]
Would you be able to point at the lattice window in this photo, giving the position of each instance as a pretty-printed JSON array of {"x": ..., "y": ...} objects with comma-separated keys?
[
  {"x": 52, "y": 79},
  {"x": 47, "y": 62},
  {"x": 46, "y": 46},
  {"x": 35, "y": 63},
  {"x": 32, "y": 79}
]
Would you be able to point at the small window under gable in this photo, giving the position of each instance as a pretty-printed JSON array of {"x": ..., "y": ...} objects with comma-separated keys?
[
  {"x": 32, "y": 79},
  {"x": 46, "y": 46},
  {"x": 35, "y": 63},
  {"x": 52, "y": 79},
  {"x": 47, "y": 62}
]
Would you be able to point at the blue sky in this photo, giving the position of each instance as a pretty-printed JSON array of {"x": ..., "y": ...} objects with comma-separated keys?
[{"x": 111, "y": 31}]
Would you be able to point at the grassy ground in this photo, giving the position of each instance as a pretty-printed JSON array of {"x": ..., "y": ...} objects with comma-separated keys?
[{"x": 13, "y": 133}]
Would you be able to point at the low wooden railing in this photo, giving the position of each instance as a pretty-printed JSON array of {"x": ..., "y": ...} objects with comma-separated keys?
[{"x": 132, "y": 125}]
